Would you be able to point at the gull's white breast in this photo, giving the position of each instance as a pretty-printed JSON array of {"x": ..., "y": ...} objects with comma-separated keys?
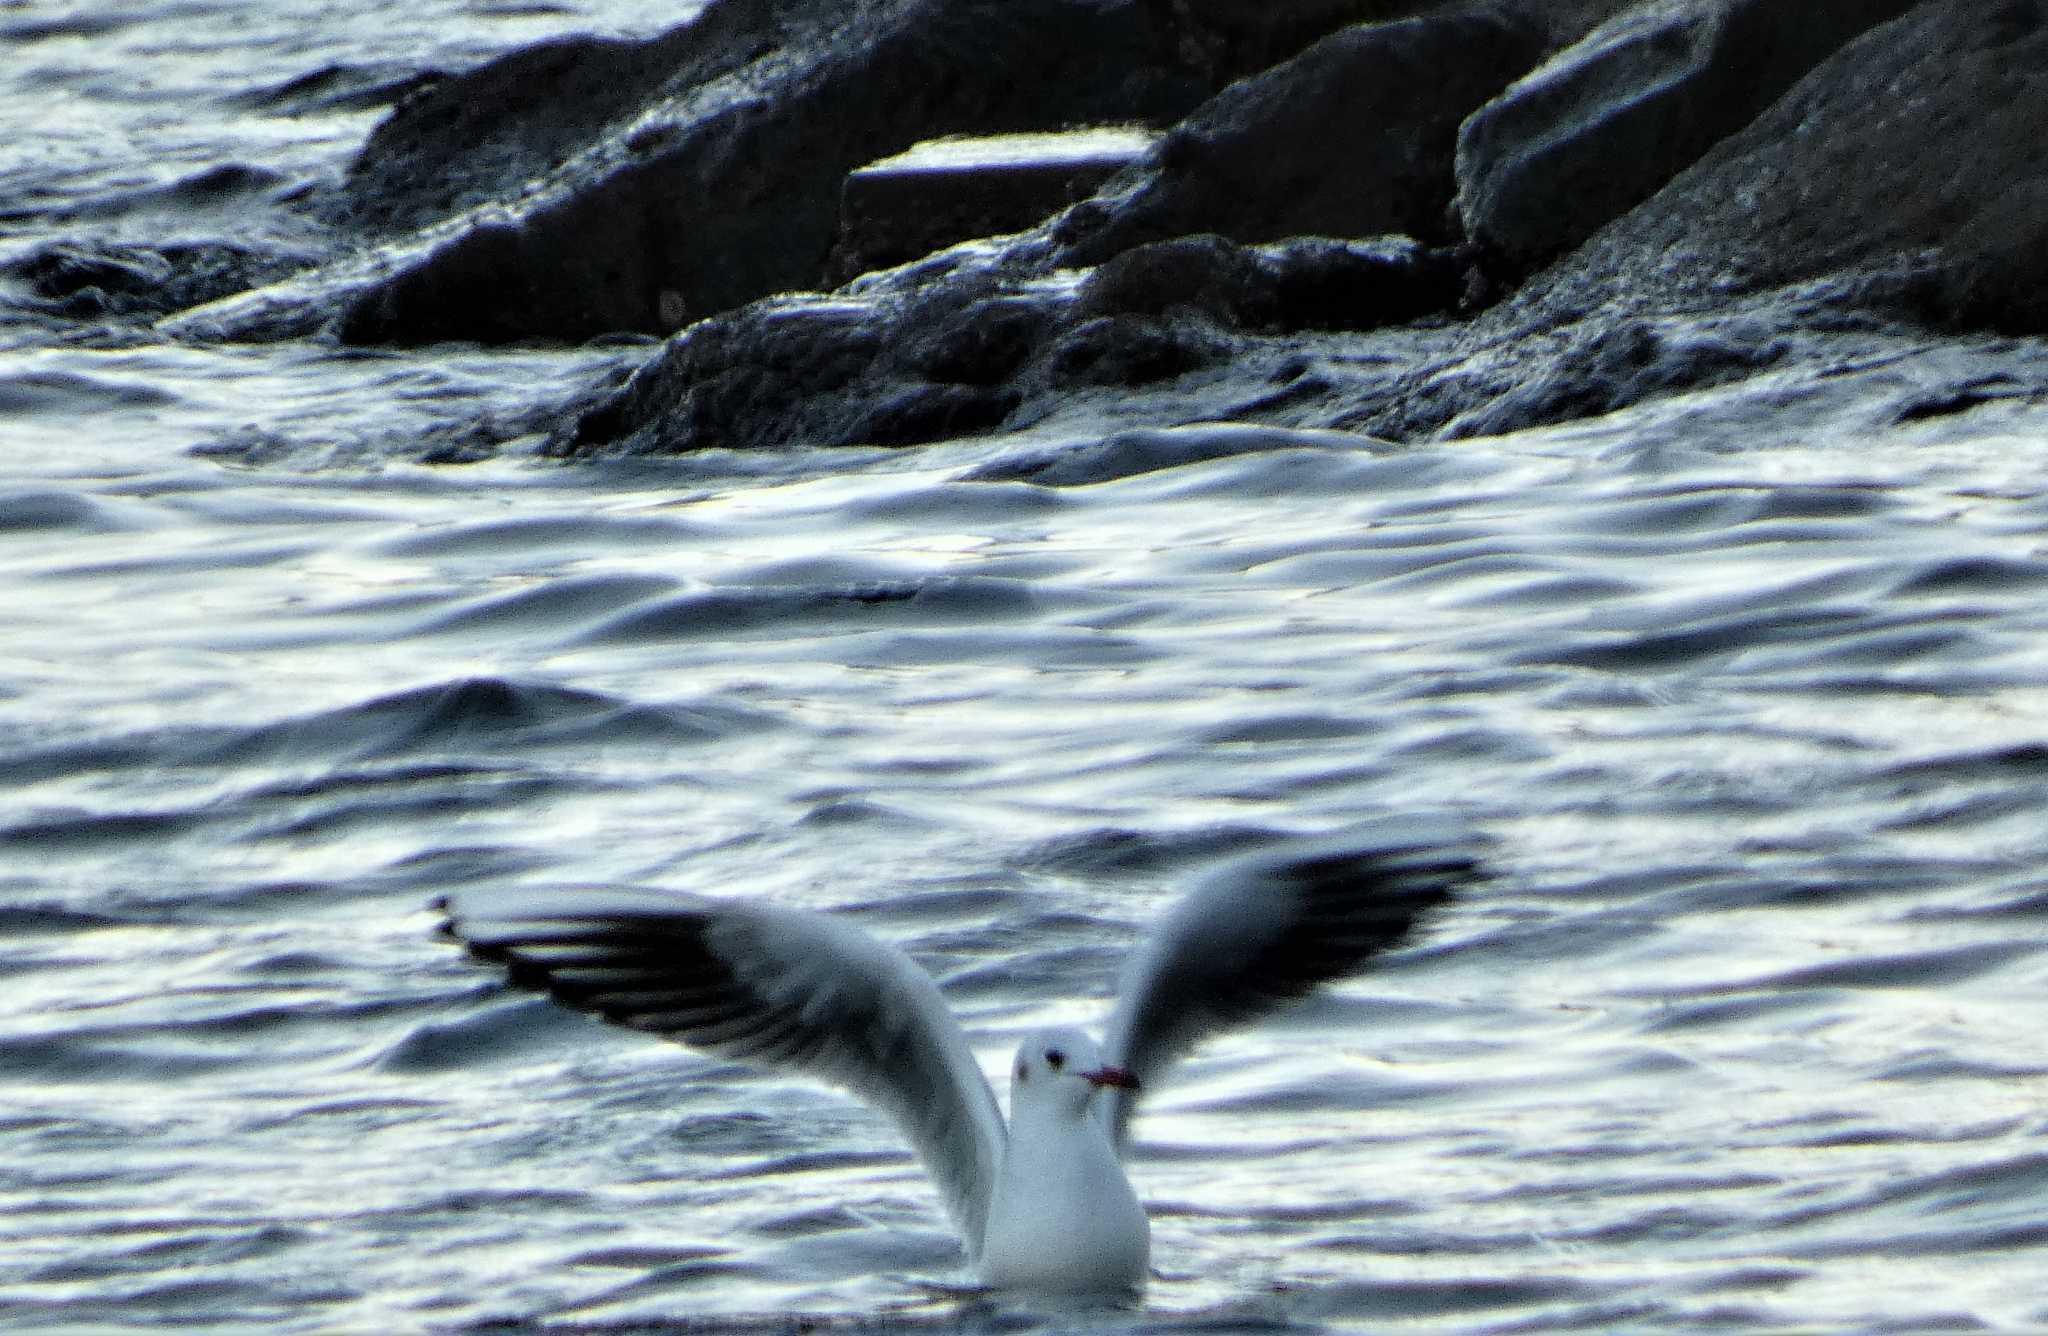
[{"x": 1064, "y": 1217}]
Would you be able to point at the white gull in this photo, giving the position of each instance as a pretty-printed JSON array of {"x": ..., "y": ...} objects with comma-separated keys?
[{"x": 1043, "y": 1203}]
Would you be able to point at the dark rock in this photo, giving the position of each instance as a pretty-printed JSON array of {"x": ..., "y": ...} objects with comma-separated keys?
[
  {"x": 945, "y": 191},
  {"x": 1306, "y": 283},
  {"x": 1206, "y": 276},
  {"x": 1601, "y": 127},
  {"x": 1909, "y": 163},
  {"x": 1528, "y": 378},
  {"x": 821, "y": 371},
  {"x": 1901, "y": 181},
  {"x": 1322, "y": 283},
  {"x": 643, "y": 184},
  {"x": 1234, "y": 38},
  {"x": 782, "y": 372},
  {"x": 88, "y": 280},
  {"x": 1355, "y": 137},
  {"x": 967, "y": 353},
  {"x": 1129, "y": 350},
  {"x": 473, "y": 282},
  {"x": 983, "y": 342},
  {"x": 589, "y": 186},
  {"x": 1604, "y": 367},
  {"x": 483, "y": 136},
  {"x": 1230, "y": 39},
  {"x": 918, "y": 413},
  {"x": 725, "y": 191}
]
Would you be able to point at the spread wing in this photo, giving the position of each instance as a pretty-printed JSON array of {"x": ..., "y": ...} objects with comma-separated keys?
[
  {"x": 1265, "y": 930},
  {"x": 764, "y": 985}
]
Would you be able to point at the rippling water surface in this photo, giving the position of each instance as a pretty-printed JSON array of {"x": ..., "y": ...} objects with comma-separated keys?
[{"x": 1748, "y": 687}]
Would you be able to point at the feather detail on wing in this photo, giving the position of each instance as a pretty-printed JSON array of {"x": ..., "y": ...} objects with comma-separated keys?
[
  {"x": 1265, "y": 930},
  {"x": 763, "y": 985}
]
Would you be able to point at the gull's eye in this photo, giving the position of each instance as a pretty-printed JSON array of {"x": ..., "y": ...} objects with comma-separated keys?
[
  {"x": 1023, "y": 1072},
  {"x": 1055, "y": 1059}
]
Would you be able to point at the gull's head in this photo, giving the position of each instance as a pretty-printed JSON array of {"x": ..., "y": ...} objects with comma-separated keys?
[{"x": 1059, "y": 1071}]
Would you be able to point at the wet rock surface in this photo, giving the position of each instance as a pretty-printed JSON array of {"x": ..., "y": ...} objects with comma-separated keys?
[
  {"x": 943, "y": 192},
  {"x": 1340, "y": 224},
  {"x": 982, "y": 351},
  {"x": 1896, "y": 186},
  {"x": 729, "y": 190},
  {"x": 1601, "y": 127},
  {"x": 1791, "y": 243},
  {"x": 1354, "y": 137},
  {"x": 97, "y": 280}
]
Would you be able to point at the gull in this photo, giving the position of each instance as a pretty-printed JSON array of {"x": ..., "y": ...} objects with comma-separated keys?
[{"x": 1042, "y": 1203}]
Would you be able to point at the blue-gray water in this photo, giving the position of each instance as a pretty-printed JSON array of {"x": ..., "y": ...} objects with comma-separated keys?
[{"x": 1751, "y": 687}]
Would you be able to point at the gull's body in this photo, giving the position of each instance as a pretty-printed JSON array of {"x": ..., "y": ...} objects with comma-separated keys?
[
  {"x": 1063, "y": 1215},
  {"x": 1042, "y": 1202}
]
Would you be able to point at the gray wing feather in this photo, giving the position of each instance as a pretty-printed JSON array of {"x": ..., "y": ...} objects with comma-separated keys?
[
  {"x": 1265, "y": 930},
  {"x": 763, "y": 985}
]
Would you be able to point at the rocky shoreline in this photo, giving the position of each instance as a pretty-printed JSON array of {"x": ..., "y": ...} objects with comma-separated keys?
[{"x": 1404, "y": 219}]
